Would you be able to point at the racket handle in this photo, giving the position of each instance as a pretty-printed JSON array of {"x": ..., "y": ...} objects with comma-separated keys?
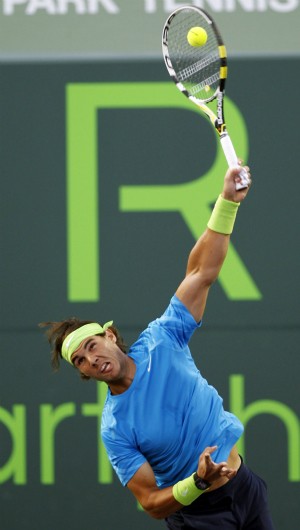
[{"x": 232, "y": 160}]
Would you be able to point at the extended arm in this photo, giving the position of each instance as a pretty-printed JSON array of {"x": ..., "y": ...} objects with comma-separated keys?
[{"x": 207, "y": 256}]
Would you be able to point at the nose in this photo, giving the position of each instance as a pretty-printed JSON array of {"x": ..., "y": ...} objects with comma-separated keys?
[{"x": 92, "y": 360}]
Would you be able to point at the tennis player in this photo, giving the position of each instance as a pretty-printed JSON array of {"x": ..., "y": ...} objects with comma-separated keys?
[{"x": 164, "y": 427}]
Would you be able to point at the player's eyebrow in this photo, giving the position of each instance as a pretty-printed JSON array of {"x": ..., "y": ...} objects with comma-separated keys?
[
  {"x": 84, "y": 347},
  {"x": 88, "y": 342}
]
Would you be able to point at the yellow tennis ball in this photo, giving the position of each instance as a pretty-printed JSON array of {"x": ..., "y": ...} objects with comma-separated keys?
[{"x": 197, "y": 36}]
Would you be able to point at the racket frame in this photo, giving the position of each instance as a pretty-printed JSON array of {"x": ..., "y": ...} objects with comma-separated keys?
[{"x": 217, "y": 120}]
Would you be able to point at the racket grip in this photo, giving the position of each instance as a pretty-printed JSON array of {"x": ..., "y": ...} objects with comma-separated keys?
[{"x": 232, "y": 160}]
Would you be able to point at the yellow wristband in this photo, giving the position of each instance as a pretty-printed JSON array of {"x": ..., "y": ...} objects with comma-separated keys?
[
  {"x": 223, "y": 216},
  {"x": 186, "y": 491}
]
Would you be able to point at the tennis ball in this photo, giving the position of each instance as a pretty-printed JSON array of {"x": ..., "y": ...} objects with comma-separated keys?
[{"x": 197, "y": 36}]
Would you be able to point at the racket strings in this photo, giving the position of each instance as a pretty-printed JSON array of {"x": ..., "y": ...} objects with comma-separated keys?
[
  {"x": 205, "y": 85},
  {"x": 197, "y": 68},
  {"x": 190, "y": 70}
]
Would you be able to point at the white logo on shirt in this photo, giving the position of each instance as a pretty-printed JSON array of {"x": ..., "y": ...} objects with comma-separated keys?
[{"x": 149, "y": 365}]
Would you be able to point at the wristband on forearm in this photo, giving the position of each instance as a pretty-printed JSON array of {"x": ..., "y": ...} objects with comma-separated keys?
[
  {"x": 223, "y": 216},
  {"x": 188, "y": 490}
]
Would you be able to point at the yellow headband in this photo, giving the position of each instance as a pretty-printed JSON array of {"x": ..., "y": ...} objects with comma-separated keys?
[{"x": 74, "y": 339}]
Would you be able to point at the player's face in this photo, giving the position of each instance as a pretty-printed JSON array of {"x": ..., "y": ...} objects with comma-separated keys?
[{"x": 100, "y": 358}]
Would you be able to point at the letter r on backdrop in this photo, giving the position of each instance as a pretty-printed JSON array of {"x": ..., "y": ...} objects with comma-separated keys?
[{"x": 83, "y": 100}]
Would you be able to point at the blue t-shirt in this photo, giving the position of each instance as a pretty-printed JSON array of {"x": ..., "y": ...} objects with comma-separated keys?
[{"x": 170, "y": 413}]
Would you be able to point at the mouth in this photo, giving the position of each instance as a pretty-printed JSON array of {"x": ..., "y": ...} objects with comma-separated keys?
[{"x": 105, "y": 368}]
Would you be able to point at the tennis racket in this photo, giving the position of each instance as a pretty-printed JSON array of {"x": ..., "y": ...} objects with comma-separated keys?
[{"x": 200, "y": 71}]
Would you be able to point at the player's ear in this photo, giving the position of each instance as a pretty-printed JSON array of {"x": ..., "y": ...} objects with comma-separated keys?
[{"x": 109, "y": 334}]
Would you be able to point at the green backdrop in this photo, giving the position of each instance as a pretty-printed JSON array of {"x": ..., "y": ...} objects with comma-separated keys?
[{"x": 110, "y": 155}]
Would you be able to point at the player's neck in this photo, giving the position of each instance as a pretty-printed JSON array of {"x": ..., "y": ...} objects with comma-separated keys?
[{"x": 121, "y": 385}]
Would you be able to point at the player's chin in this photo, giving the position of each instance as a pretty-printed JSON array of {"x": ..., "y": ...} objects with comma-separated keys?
[{"x": 107, "y": 377}]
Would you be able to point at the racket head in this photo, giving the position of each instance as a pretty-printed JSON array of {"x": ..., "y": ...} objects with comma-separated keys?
[{"x": 199, "y": 71}]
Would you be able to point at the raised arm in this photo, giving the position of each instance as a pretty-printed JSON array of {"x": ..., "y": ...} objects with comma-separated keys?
[{"x": 207, "y": 256}]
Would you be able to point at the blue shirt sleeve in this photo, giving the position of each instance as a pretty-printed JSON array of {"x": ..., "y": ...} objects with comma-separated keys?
[
  {"x": 177, "y": 322},
  {"x": 124, "y": 457}
]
